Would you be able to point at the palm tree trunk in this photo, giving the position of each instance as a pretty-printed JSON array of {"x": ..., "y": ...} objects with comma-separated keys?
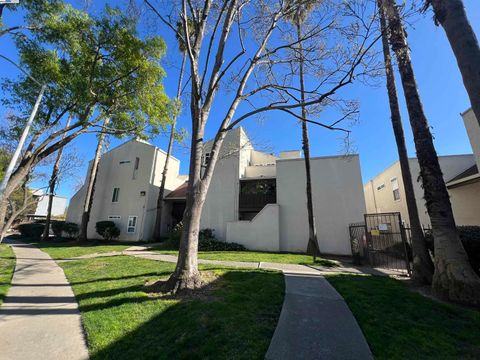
[
  {"x": 451, "y": 15},
  {"x": 312, "y": 246},
  {"x": 422, "y": 263},
  {"x": 158, "y": 221},
  {"x": 91, "y": 187},
  {"x": 454, "y": 278},
  {"x": 51, "y": 186}
]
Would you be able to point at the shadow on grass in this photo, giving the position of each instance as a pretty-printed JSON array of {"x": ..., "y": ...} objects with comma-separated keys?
[
  {"x": 401, "y": 324},
  {"x": 232, "y": 317}
]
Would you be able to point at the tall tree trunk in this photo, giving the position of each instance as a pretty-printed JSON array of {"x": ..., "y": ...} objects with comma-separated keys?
[
  {"x": 16, "y": 212},
  {"x": 422, "y": 263},
  {"x": 186, "y": 274},
  {"x": 91, "y": 187},
  {"x": 451, "y": 15},
  {"x": 312, "y": 246},
  {"x": 453, "y": 278},
  {"x": 19, "y": 177},
  {"x": 52, "y": 184},
  {"x": 158, "y": 221}
]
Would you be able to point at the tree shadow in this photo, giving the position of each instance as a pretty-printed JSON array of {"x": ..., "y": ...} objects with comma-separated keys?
[{"x": 232, "y": 317}]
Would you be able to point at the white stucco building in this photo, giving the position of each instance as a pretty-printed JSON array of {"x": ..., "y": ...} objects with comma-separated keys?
[
  {"x": 59, "y": 205},
  {"x": 255, "y": 199}
]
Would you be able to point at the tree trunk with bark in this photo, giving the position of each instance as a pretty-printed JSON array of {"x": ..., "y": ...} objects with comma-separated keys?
[
  {"x": 158, "y": 220},
  {"x": 422, "y": 263},
  {"x": 312, "y": 246},
  {"x": 16, "y": 212},
  {"x": 186, "y": 274},
  {"x": 51, "y": 186},
  {"x": 454, "y": 278},
  {"x": 91, "y": 187},
  {"x": 453, "y": 18}
]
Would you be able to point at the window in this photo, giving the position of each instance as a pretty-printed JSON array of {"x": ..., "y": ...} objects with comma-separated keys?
[
  {"x": 132, "y": 224},
  {"x": 116, "y": 192},
  {"x": 124, "y": 162},
  {"x": 207, "y": 158},
  {"x": 380, "y": 187},
  {"x": 114, "y": 217},
  {"x": 395, "y": 189},
  {"x": 135, "y": 168}
]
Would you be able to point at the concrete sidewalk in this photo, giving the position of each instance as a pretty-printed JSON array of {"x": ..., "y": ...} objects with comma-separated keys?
[
  {"x": 316, "y": 323},
  {"x": 39, "y": 318}
]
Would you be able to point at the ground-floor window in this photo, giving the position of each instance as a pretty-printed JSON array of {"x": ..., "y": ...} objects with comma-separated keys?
[{"x": 132, "y": 224}]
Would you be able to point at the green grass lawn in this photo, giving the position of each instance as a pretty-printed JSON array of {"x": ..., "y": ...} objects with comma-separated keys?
[
  {"x": 68, "y": 249},
  {"x": 401, "y": 324},
  {"x": 256, "y": 256},
  {"x": 235, "y": 321},
  {"x": 7, "y": 266}
]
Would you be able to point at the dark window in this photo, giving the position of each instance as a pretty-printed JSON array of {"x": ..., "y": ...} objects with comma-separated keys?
[
  {"x": 135, "y": 168},
  {"x": 207, "y": 158},
  {"x": 396, "y": 194},
  {"x": 116, "y": 192}
]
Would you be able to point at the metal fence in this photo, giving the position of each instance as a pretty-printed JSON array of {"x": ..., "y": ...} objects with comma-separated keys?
[{"x": 382, "y": 241}]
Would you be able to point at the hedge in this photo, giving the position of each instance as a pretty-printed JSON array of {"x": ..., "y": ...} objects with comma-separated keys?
[
  {"x": 34, "y": 230},
  {"x": 107, "y": 229}
]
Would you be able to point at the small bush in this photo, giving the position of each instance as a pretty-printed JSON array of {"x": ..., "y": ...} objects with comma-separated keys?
[
  {"x": 470, "y": 237},
  {"x": 33, "y": 230},
  {"x": 208, "y": 242},
  {"x": 107, "y": 229},
  {"x": 62, "y": 228}
]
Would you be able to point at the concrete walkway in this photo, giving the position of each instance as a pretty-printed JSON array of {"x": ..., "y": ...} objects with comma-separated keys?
[
  {"x": 316, "y": 323},
  {"x": 39, "y": 318}
]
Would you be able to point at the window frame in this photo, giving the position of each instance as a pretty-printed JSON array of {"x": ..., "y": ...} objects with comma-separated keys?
[
  {"x": 134, "y": 226},
  {"x": 116, "y": 191}
]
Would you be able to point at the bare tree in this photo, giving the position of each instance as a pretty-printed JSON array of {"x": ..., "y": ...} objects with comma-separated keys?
[
  {"x": 422, "y": 263},
  {"x": 453, "y": 18},
  {"x": 52, "y": 185},
  {"x": 255, "y": 26},
  {"x": 454, "y": 278},
  {"x": 157, "y": 231},
  {"x": 92, "y": 177}
]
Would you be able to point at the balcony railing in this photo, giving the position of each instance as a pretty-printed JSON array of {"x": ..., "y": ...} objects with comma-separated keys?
[{"x": 256, "y": 202}]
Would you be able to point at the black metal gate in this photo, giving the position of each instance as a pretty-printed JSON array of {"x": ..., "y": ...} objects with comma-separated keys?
[{"x": 386, "y": 241}]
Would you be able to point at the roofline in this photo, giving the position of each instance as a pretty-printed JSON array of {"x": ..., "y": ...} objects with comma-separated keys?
[
  {"x": 467, "y": 180},
  {"x": 321, "y": 157},
  {"x": 466, "y": 111}
]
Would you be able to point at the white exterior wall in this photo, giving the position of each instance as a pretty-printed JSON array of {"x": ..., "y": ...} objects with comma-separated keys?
[
  {"x": 221, "y": 204},
  {"x": 112, "y": 174},
  {"x": 260, "y": 171},
  {"x": 59, "y": 205},
  {"x": 337, "y": 197},
  {"x": 262, "y": 233},
  {"x": 473, "y": 130}
]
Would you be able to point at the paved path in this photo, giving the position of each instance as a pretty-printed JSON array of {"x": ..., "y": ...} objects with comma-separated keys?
[
  {"x": 39, "y": 318},
  {"x": 316, "y": 323}
]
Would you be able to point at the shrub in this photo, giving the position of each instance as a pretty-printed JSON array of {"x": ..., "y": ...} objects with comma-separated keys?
[
  {"x": 470, "y": 237},
  {"x": 34, "y": 230},
  {"x": 107, "y": 229},
  {"x": 208, "y": 242},
  {"x": 60, "y": 228}
]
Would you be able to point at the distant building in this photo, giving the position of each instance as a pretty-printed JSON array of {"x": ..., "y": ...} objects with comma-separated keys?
[
  {"x": 386, "y": 193},
  {"x": 59, "y": 205},
  {"x": 254, "y": 198}
]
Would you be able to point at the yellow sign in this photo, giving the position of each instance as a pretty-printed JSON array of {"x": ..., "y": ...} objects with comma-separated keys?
[{"x": 375, "y": 232}]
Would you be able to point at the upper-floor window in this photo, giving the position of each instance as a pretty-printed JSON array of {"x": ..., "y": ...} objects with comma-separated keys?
[
  {"x": 207, "y": 158},
  {"x": 135, "y": 168},
  {"x": 381, "y": 186},
  {"x": 395, "y": 189},
  {"x": 124, "y": 162},
  {"x": 116, "y": 193}
]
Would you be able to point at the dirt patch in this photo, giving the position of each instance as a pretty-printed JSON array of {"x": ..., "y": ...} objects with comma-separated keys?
[{"x": 211, "y": 281}]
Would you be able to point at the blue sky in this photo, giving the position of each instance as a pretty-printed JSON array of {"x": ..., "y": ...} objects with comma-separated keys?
[{"x": 438, "y": 77}]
